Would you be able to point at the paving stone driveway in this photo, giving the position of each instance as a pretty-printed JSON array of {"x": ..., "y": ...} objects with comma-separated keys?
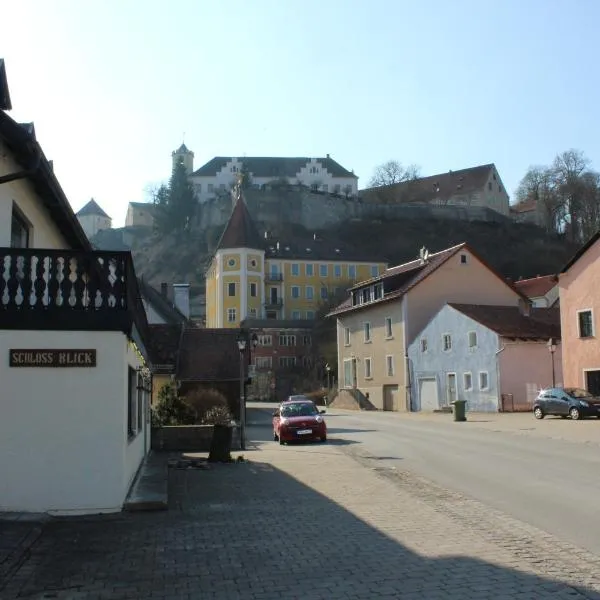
[{"x": 314, "y": 522}]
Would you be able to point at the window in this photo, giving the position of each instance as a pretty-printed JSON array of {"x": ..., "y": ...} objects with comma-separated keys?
[
  {"x": 352, "y": 271},
  {"x": 447, "y": 342},
  {"x": 132, "y": 404},
  {"x": 389, "y": 365},
  {"x": 378, "y": 291},
  {"x": 19, "y": 230},
  {"x": 368, "y": 369},
  {"x": 490, "y": 186},
  {"x": 309, "y": 268},
  {"x": 323, "y": 270},
  {"x": 307, "y": 361},
  {"x": 367, "y": 331},
  {"x": 252, "y": 313},
  {"x": 222, "y": 187},
  {"x": 324, "y": 293},
  {"x": 467, "y": 382},
  {"x": 586, "y": 323},
  {"x": 296, "y": 314},
  {"x": 295, "y": 269},
  {"x": 374, "y": 271},
  {"x": 463, "y": 259},
  {"x": 295, "y": 291},
  {"x": 325, "y": 187},
  {"x": 198, "y": 189},
  {"x": 309, "y": 292},
  {"x": 140, "y": 401},
  {"x": 285, "y": 339},
  {"x": 336, "y": 188},
  {"x": 234, "y": 169},
  {"x": 472, "y": 339},
  {"x": 337, "y": 270},
  {"x": 307, "y": 340},
  {"x": 346, "y": 336},
  {"x": 287, "y": 361},
  {"x": 314, "y": 187},
  {"x": 231, "y": 289},
  {"x": 231, "y": 262},
  {"x": 210, "y": 188},
  {"x": 253, "y": 263},
  {"x": 388, "y": 327},
  {"x": 263, "y": 362},
  {"x": 253, "y": 290},
  {"x": 231, "y": 315},
  {"x": 310, "y": 314},
  {"x": 265, "y": 340},
  {"x": 423, "y": 344},
  {"x": 483, "y": 381}
]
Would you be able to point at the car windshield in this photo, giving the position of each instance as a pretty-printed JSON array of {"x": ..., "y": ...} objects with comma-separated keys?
[
  {"x": 578, "y": 393},
  {"x": 299, "y": 409}
]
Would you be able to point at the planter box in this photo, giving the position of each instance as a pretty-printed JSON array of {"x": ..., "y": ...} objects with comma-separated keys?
[{"x": 187, "y": 438}]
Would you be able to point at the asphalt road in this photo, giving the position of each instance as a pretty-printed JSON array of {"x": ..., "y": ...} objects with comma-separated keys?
[{"x": 551, "y": 484}]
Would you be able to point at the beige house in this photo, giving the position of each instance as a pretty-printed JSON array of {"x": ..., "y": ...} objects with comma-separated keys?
[
  {"x": 384, "y": 315},
  {"x": 140, "y": 214},
  {"x": 93, "y": 219}
]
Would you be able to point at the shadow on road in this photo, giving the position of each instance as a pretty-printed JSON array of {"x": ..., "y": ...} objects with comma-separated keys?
[{"x": 248, "y": 530}]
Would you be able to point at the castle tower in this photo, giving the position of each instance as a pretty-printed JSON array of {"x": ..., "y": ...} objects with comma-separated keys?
[{"x": 187, "y": 156}]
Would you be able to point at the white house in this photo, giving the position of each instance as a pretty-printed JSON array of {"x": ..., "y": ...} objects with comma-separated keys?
[
  {"x": 319, "y": 174},
  {"x": 93, "y": 219},
  {"x": 74, "y": 420}
]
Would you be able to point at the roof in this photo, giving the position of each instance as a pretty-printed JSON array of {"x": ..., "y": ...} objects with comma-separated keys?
[
  {"x": 147, "y": 205},
  {"x": 581, "y": 251},
  {"x": 510, "y": 322},
  {"x": 165, "y": 308},
  {"x": 5, "y": 103},
  {"x": 28, "y": 153},
  {"x": 527, "y": 205},
  {"x": 274, "y": 167},
  {"x": 406, "y": 276},
  {"x": 278, "y": 324},
  {"x": 183, "y": 149},
  {"x": 437, "y": 187},
  {"x": 240, "y": 231},
  {"x": 91, "y": 208},
  {"x": 163, "y": 346},
  {"x": 537, "y": 286},
  {"x": 209, "y": 355}
]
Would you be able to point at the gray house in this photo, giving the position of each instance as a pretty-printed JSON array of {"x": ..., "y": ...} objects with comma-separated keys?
[{"x": 494, "y": 357}]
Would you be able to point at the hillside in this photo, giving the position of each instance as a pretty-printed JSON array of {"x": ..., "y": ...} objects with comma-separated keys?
[{"x": 515, "y": 250}]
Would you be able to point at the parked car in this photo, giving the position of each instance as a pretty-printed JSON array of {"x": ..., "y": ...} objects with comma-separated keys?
[
  {"x": 299, "y": 420},
  {"x": 566, "y": 402}
]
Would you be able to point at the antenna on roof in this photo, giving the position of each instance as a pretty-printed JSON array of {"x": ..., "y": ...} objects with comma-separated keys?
[{"x": 423, "y": 255}]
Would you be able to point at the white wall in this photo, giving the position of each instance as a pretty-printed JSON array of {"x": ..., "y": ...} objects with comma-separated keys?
[
  {"x": 45, "y": 233},
  {"x": 63, "y": 431},
  {"x": 92, "y": 224}
]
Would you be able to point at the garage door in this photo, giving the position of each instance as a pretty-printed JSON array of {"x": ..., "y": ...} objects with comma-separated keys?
[{"x": 428, "y": 394}]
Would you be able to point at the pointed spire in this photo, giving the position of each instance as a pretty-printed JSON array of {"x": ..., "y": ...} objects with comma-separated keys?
[{"x": 240, "y": 231}]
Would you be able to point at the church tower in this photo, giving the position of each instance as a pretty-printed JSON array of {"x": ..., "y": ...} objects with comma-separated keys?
[{"x": 186, "y": 156}]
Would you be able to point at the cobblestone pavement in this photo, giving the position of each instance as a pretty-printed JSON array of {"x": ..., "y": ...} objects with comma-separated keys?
[{"x": 306, "y": 522}]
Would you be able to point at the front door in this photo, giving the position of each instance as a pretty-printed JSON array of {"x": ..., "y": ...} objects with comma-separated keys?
[
  {"x": 274, "y": 296},
  {"x": 450, "y": 387},
  {"x": 592, "y": 382}
]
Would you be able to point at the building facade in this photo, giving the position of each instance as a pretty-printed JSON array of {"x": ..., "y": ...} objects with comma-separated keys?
[
  {"x": 93, "y": 219},
  {"x": 541, "y": 290},
  {"x": 140, "y": 214}
]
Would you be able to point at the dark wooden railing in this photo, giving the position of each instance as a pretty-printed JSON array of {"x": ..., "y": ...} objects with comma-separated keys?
[{"x": 66, "y": 289}]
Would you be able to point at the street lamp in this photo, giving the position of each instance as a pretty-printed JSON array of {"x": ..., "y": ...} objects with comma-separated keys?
[
  {"x": 241, "y": 342},
  {"x": 328, "y": 369},
  {"x": 552, "y": 349}
]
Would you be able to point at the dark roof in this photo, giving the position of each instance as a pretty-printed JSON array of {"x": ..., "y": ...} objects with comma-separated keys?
[
  {"x": 209, "y": 355},
  {"x": 510, "y": 322},
  {"x": 436, "y": 187},
  {"x": 275, "y": 167},
  {"x": 164, "y": 306},
  {"x": 278, "y": 324},
  {"x": 240, "y": 231},
  {"x": 91, "y": 208},
  {"x": 28, "y": 153},
  {"x": 182, "y": 149},
  {"x": 163, "y": 347},
  {"x": 537, "y": 286},
  {"x": 581, "y": 251},
  {"x": 5, "y": 103}
]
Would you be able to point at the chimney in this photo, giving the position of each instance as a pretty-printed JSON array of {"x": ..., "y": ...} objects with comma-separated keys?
[
  {"x": 327, "y": 155},
  {"x": 181, "y": 298},
  {"x": 164, "y": 288},
  {"x": 525, "y": 307}
]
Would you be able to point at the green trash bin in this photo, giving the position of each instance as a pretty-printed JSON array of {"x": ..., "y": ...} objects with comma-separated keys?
[{"x": 460, "y": 408}]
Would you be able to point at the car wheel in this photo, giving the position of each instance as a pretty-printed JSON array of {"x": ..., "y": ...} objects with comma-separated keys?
[
  {"x": 275, "y": 438},
  {"x": 538, "y": 413},
  {"x": 575, "y": 414},
  {"x": 281, "y": 442},
  {"x": 324, "y": 439}
]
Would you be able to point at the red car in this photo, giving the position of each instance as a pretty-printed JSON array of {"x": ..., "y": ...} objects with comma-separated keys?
[{"x": 299, "y": 420}]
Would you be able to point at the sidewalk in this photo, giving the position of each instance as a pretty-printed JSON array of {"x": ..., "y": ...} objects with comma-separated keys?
[{"x": 307, "y": 522}]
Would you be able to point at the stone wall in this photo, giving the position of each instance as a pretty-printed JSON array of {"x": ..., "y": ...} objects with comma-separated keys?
[{"x": 187, "y": 438}]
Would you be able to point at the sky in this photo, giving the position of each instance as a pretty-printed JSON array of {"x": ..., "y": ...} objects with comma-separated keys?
[{"x": 114, "y": 86}]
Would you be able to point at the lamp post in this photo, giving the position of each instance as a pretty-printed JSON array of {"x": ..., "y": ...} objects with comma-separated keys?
[
  {"x": 243, "y": 341},
  {"x": 552, "y": 349},
  {"x": 328, "y": 369}
]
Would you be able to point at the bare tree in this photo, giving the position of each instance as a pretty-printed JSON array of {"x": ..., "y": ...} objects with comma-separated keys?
[
  {"x": 539, "y": 185},
  {"x": 392, "y": 172}
]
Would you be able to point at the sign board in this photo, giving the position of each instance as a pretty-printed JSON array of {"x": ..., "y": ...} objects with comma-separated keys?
[{"x": 51, "y": 358}]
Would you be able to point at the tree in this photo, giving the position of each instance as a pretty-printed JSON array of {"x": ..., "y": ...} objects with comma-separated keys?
[
  {"x": 172, "y": 409},
  {"x": 175, "y": 203},
  {"x": 538, "y": 185},
  {"x": 245, "y": 177},
  {"x": 392, "y": 172}
]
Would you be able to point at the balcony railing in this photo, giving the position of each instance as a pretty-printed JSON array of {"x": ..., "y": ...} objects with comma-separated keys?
[
  {"x": 274, "y": 303},
  {"x": 274, "y": 277},
  {"x": 69, "y": 290}
]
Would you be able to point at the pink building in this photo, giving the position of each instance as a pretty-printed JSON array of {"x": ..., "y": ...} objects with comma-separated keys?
[{"x": 580, "y": 307}]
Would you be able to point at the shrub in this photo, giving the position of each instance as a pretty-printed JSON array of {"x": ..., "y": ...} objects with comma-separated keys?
[
  {"x": 217, "y": 415},
  {"x": 172, "y": 409},
  {"x": 203, "y": 400}
]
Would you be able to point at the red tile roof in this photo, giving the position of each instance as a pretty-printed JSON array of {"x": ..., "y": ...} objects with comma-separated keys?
[
  {"x": 536, "y": 286},
  {"x": 509, "y": 322}
]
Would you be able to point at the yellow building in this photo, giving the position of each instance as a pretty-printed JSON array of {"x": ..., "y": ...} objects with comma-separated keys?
[{"x": 257, "y": 276}]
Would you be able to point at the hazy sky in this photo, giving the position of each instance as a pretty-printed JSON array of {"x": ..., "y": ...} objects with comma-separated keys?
[{"x": 112, "y": 85}]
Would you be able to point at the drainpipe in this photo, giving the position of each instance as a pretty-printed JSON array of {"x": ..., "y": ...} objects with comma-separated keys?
[{"x": 498, "y": 374}]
